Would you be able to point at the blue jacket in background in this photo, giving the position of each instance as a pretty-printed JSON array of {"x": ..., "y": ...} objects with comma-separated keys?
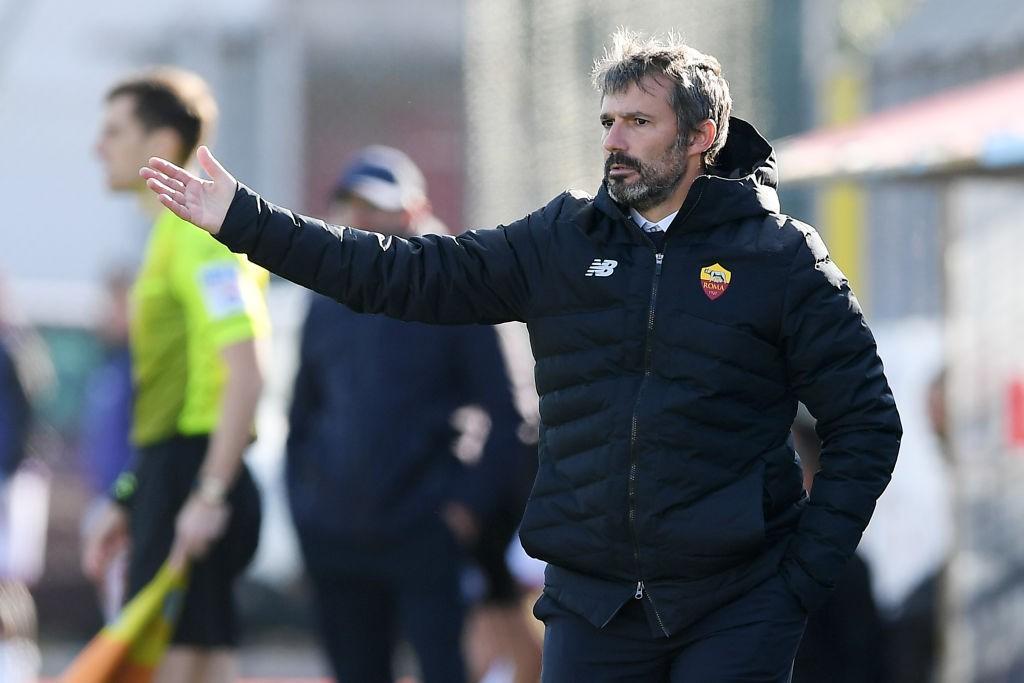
[
  {"x": 107, "y": 421},
  {"x": 370, "y": 459},
  {"x": 15, "y": 416}
]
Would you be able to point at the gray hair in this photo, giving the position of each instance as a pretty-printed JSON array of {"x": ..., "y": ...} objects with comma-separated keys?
[{"x": 698, "y": 92}]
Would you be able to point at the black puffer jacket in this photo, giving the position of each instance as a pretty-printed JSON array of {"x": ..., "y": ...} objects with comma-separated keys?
[{"x": 668, "y": 382}]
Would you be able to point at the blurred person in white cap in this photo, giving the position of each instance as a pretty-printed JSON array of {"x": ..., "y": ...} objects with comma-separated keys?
[
  {"x": 382, "y": 186},
  {"x": 374, "y": 401}
]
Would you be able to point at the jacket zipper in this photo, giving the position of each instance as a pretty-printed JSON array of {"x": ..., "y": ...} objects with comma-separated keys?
[{"x": 634, "y": 463}]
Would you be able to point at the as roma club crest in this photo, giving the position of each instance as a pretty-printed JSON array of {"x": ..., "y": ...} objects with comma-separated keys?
[{"x": 715, "y": 280}]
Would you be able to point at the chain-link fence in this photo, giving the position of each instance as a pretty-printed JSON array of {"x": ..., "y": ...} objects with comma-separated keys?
[{"x": 532, "y": 115}]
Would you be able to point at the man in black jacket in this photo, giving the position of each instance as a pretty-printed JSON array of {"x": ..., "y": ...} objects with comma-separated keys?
[
  {"x": 676, "y": 319},
  {"x": 380, "y": 501}
]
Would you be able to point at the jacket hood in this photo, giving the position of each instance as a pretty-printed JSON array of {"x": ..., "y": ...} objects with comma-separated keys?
[{"x": 742, "y": 184}]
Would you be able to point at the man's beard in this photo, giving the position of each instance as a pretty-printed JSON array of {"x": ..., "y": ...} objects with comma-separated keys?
[{"x": 657, "y": 180}]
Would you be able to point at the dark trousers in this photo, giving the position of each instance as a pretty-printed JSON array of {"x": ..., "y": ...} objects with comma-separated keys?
[
  {"x": 753, "y": 638},
  {"x": 362, "y": 618},
  {"x": 166, "y": 472}
]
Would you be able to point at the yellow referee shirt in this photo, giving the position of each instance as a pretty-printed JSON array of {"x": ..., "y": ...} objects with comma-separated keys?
[{"x": 192, "y": 298}]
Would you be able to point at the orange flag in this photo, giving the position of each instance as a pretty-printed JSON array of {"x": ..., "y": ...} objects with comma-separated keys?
[{"x": 129, "y": 649}]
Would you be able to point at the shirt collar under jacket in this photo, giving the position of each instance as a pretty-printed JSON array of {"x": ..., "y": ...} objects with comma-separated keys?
[{"x": 648, "y": 226}]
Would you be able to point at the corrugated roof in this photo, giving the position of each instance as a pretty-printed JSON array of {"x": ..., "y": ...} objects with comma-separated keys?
[{"x": 980, "y": 126}]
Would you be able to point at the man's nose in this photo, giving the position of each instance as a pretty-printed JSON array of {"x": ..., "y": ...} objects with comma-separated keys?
[{"x": 615, "y": 139}]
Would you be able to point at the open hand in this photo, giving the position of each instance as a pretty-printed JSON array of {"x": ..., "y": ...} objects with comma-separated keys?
[
  {"x": 105, "y": 538},
  {"x": 203, "y": 203},
  {"x": 199, "y": 525}
]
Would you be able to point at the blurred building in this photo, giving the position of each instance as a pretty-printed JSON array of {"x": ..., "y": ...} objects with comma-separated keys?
[
  {"x": 917, "y": 172},
  {"x": 532, "y": 113},
  {"x": 387, "y": 72}
]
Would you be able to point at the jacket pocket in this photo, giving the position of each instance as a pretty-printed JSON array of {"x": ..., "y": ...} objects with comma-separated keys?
[{"x": 719, "y": 531}]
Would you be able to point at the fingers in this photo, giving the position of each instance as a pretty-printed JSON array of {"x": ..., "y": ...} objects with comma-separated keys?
[
  {"x": 198, "y": 527},
  {"x": 162, "y": 189},
  {"x": 164, "y": 179},
  {"x": 104, "y": 537},
  {"x": 189, "y": 548},
  {"x": 177, "y": 209},
  {"x": 212, "y": 167},
  {"x": 98, "y": 555},
  {"x": 92, "y": 564},
  {"x": 169, "y": 169},
  {"x": 179, "y": 555}
]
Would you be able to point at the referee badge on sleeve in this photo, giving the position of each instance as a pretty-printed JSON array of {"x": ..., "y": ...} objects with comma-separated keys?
[{"x": 221, "y": 290}]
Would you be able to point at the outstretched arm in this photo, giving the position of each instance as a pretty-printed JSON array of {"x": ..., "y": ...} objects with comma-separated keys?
[{"x": 482, "y": 276}]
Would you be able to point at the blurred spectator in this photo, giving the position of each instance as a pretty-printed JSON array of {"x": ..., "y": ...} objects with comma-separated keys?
[
  {"x": 913, "y": 631},
  {"x": 17, "y": 614},
  {"x": 15, "y": 415},
  {"x": 24, "y": 493},
  {"x": 106, "y": 448},
  {"x": 503, "y": 646},
  {"x": 107, "y": 415},
  {"x": 198, "y": 311},
  {"x": 843, "y": 641},
  {"x": 383, "y": 507}
]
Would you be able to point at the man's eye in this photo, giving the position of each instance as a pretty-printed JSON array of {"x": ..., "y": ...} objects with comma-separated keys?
[
  {"x": 606, "y": 123},
  {"x": 642, "y": 122}
]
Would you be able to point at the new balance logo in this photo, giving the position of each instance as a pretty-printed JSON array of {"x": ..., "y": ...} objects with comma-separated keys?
[{"x": 601, "y": 268}]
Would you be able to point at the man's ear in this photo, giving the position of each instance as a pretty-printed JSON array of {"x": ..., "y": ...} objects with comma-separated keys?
[{"x": 702, "y": 137}]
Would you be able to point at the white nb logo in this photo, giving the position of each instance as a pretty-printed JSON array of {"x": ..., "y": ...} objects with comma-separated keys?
[{"x": 601, "y": 268}]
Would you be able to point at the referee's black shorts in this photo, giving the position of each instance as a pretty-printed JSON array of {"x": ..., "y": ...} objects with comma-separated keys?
[{"x": 166, "y": 472}]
